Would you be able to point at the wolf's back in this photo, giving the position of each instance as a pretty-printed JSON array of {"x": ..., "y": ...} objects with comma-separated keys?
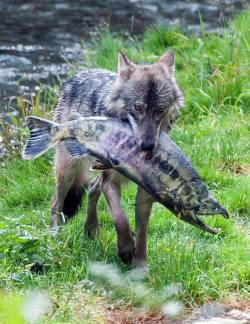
[{"x": 85, "y": 94}]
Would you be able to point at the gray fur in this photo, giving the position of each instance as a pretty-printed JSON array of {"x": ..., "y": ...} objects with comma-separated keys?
[{"x": 96, "y": 92}]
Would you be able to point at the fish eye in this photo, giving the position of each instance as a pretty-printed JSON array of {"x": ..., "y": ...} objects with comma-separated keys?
[
  {"x": 196, "y": 208},
  {"x": 138, "y": 107}
]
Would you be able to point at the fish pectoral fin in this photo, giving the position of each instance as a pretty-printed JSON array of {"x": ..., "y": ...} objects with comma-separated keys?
[
  {"x": 74, "y": 148},
  {"x": 100, "y": 167}
]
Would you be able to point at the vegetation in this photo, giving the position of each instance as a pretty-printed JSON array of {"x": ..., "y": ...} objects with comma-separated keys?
[{"x": 213, "y": 130}]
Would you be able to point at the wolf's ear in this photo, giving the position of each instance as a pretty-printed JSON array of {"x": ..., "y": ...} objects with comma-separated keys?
[
  {"x": 167, "y": 60},
  {"x": 125, "y": 66}
]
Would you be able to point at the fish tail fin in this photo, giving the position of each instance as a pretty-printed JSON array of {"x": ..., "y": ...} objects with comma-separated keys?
[{"x": 39, "y": 140}]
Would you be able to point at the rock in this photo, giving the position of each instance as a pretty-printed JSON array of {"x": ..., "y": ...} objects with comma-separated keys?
[{"x": 7, "y": 60}]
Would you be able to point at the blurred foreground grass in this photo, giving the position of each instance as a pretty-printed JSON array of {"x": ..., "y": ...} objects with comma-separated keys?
[{"x": 213, "y": 130}]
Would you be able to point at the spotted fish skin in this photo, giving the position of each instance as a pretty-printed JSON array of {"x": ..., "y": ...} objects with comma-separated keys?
[{"x": 166, "y": 173}]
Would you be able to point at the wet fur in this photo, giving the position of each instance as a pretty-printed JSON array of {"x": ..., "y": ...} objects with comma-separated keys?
[{"x": 97, "y": 92}]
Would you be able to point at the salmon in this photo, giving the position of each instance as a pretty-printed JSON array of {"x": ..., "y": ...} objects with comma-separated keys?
[{"x": 165, "y": 173}]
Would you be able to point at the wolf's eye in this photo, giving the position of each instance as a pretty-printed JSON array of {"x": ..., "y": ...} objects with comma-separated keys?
[
  {"x": 161, "y": 109},
  {"x": 138, "y": 107}
]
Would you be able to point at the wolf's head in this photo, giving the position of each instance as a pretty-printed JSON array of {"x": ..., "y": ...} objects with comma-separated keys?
[{"x": 147, "y": 96}]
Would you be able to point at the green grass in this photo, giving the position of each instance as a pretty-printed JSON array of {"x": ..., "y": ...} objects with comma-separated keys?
[{"x": 213, "y": 130}]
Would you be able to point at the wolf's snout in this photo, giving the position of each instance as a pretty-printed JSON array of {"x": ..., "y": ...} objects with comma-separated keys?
[{"x": 147, "y": 143}]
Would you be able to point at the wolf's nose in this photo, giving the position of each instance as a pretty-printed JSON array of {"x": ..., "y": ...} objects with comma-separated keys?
[{"x": 147, "y": 146}]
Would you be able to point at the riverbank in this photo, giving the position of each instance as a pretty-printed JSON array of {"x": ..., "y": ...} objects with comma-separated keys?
[
  {"x": 213, "y": 130},
  {"x": 36, "y": 49}
]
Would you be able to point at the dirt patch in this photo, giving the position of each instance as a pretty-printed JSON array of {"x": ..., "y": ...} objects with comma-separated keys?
[
  {"x": 90, "y": 308},
  {"x": 234, "y": 312},
  {"x": 123, "y": 316},
  {"x": 240, "y": 169}
]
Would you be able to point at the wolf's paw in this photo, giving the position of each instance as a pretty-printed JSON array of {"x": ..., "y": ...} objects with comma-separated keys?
[
  {"x": 140, "y": 263},
  {"x": 126, "y": 253},
  {"x": 126, "y": 256},
  {"x": 91, "y": 229}
]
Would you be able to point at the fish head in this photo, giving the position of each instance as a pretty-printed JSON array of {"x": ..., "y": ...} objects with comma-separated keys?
[
  {"x": 195, "y": 198},
  {"x": 209, "y": 206},
  {"x": 191, "y": 212}
]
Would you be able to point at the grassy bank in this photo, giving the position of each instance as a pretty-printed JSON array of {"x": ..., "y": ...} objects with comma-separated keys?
[{"x": 213, "y": 130}]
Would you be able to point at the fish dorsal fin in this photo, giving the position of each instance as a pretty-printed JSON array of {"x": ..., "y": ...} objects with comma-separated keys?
[{"x": 74, "y": 148}]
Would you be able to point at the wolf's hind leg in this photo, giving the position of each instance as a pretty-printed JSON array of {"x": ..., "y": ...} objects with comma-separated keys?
[
  {"x": 71, "y": 180},
  {"x": 91, "y": 225},
  {"x": 57, "y": 202}
]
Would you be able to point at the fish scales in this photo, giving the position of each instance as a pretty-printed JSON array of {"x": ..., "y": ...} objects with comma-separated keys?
[
  {"x": 164, "y": 164},
  {"x": 166, "y": 173}
]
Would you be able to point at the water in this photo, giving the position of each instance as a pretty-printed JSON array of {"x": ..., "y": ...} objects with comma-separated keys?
[{"x": 38, "y": 38}]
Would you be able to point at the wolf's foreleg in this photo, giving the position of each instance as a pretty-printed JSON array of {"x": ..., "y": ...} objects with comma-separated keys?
[
  {"x": 143, "y": 207},
  {"x": 125, "y": 240}
]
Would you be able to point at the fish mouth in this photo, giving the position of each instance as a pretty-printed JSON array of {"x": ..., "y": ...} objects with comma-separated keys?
[
  {"x": 198, "y": 222},
  {"x": 194, "y": 218}
]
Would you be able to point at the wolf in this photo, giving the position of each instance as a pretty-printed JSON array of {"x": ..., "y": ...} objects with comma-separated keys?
[{"x": 146, "y": 96}]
